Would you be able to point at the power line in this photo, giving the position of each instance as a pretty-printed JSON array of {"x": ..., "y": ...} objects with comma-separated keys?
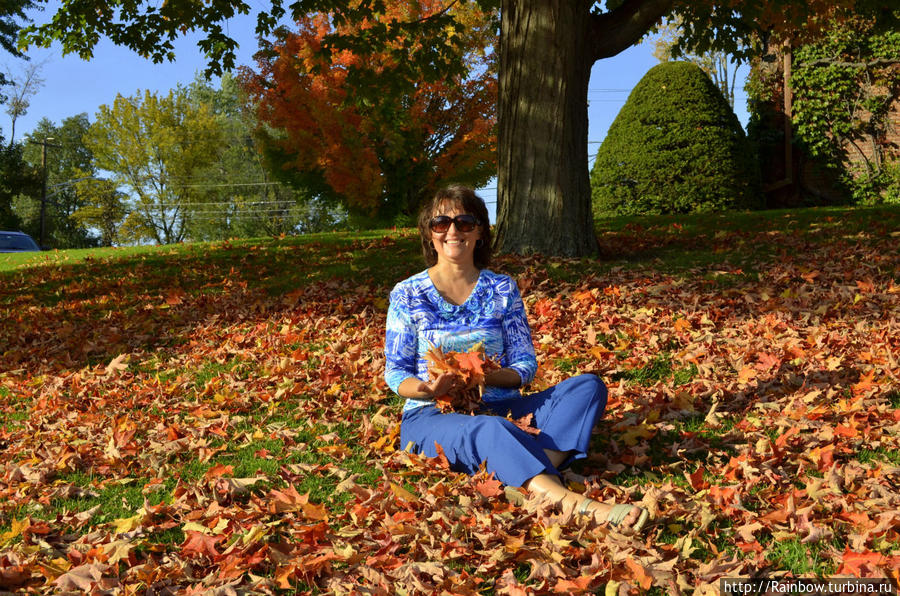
[
  {"x": 212, "y": 203},
  {"x": 227, "y": 184}
]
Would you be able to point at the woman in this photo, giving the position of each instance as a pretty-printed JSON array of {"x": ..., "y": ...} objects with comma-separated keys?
[{"x": 456, "y": 303}]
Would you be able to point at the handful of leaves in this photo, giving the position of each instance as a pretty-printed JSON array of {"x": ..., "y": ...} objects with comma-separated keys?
[
  {"x": 466, "y": 395},
  {"x": 469, "y": 368}
]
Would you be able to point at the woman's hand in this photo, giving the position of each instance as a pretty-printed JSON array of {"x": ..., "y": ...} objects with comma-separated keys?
[
  {"x": 441, "y": 385},
  {"x": 418, "y": 389}
]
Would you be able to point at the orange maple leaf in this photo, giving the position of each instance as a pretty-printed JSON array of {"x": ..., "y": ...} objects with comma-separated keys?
[
  {"x": 489, "y": 487},
  {"x": 218, "y": 470},
  {"x": 865, "y": 383},
  {"x": 198, "y": 543},
  {"x": 639, "y": 574},
  {"x": 858, "y": 564},
  {"x": 682, "y": 325},
  {"x": 471, "y": 361},
  {"x": 573, "y": 586}
]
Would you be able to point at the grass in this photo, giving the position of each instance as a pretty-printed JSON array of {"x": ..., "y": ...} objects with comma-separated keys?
[{"x": 213, "y": 332}]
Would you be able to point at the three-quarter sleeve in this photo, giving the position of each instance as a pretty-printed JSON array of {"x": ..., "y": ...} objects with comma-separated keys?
[
  {"x": 520, "y": 354},
  {"x": 401, "y": 342}
]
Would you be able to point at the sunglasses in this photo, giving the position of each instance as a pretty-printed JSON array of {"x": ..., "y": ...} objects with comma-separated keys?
[{"x": 464, "y": 223}]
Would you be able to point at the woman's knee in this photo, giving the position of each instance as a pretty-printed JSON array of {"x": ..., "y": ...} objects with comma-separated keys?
[{"x": 592, "y": 388}]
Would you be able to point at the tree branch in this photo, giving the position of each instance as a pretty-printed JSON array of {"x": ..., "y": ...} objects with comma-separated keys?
[
  {"x": 615, "y": 31},
  {"x": 829, "y": 62},
  {"x": 434, "y": 15}
]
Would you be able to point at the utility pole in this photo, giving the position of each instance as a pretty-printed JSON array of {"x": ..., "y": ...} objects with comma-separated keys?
[{"x": 44, "y": 143}]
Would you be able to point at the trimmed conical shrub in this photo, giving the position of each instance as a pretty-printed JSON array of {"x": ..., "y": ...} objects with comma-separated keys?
[{"x": 675, "y": 147}]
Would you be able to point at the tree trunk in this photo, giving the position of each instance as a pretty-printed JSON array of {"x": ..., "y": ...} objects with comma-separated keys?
[
  {"x": 543, "y": 196},
  {"x": 547, "y": 48}
]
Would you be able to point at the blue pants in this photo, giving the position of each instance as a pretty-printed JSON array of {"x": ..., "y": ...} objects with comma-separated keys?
[{"x": 565, "y": 413}]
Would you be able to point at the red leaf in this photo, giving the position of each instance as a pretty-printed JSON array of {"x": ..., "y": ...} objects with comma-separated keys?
[{"x": 696, "y": 479}]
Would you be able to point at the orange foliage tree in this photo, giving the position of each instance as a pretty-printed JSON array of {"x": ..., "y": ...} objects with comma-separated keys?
[{"x": 361, "y": 128}]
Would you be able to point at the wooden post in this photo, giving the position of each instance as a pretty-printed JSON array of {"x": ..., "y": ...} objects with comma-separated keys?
[{"x": 788, "y": 134}]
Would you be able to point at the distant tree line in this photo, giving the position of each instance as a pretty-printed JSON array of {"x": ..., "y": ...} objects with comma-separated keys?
[{"x": 289, "y": 146}]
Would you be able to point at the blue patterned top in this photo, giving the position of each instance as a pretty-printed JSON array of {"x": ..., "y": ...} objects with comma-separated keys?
[{"x": 493, "y": 314}]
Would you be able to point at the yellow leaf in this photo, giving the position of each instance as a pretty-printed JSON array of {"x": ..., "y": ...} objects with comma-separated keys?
[
  {"x": 345, "y": 552},
  {"x": 117, "y": 550},
  {"x": 598, "y": 352},
  {"x": 746, "y": 374},
  {"x": 635, "y": 433},
  {"x": 402, "y": 493},
  {"x": 126, "y": 524},
  {"x": 552, "y": 535},
  {"x": 195, "y": 527},
  {"x": 15, "y": 531},
  {"x": 253, "y": 535},
  {"x": 54, "y": 568}
]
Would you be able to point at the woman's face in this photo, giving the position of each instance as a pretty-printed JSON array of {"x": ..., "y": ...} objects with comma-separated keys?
[{"x": 454, "y": 245}]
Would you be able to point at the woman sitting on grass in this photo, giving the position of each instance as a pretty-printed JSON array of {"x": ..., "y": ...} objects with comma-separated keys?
[{"x": 456, "y": 304}]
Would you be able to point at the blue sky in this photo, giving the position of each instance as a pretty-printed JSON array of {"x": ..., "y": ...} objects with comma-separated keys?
[{"x": 72, "y": 85}]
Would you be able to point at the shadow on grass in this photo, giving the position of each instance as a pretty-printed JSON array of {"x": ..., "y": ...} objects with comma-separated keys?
[
  {"x": 680, "y": 241},
  {"x": 87, "y": 313}
]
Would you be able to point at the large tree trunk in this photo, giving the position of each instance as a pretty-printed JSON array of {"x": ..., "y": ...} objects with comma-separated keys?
[
  {"x": 547, "y": 48},
  {"x": 543, "y": 187}
]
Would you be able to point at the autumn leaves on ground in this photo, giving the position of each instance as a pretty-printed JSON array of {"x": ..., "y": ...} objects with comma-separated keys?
[{"x": 213, "y": 417}]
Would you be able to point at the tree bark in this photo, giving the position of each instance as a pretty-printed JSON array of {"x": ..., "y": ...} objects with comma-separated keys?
[
  {"x": 543, "y": 188},
  {"x": 547, "y": 49}
]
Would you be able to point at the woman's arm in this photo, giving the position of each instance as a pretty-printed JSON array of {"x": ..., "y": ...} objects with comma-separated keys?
[
  {"x": 401, "y": 347},
  {"x": 520, "y": 358},
  {"x": 505, "y": 377},
  {"x": 416, "y": 388}
]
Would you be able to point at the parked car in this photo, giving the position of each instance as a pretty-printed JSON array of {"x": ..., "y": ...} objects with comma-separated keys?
[{"x": 17, "y": 242}]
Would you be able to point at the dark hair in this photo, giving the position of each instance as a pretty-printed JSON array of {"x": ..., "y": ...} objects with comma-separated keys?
[{"x": 464, "y": 199}]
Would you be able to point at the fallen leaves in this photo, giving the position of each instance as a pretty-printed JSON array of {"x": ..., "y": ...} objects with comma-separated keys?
[{"x": 242, "y": 432}]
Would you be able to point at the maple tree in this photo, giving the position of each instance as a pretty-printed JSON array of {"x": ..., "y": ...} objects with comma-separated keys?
[{"x": 382, "y": 144}]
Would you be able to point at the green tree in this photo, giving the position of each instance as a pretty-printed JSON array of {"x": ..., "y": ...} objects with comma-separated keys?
[
  {"x": 156, "y": 147},
  {"x": 546, "y": 52},
  {"x": 103, "y": 207},
  {"x": 675, "y": 147},
  {"x": 67, "y": 159},
  {"x": 16, "y": 176},
  {"x": 13, "y": 13},
  {"x": 241, "y": 198}
]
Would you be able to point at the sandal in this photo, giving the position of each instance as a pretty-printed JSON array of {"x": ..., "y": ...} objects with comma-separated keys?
[
  {"x": 618, "y": 513},
  {"x": 514, "y": 495}
]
